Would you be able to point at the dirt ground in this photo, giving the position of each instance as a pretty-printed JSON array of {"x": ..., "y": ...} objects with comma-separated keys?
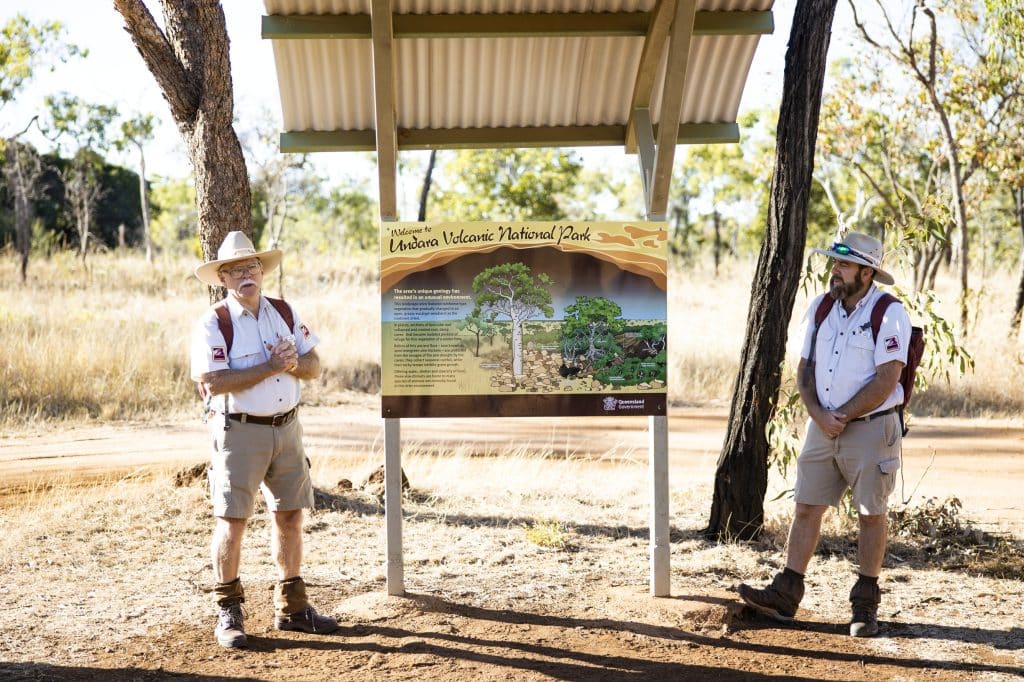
[{"x": 106, "y": 574}]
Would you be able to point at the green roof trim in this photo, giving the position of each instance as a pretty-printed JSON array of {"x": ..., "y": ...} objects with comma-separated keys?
[
  {"x": 572, "y": 24},
  {"x": 307, "y": 141}
]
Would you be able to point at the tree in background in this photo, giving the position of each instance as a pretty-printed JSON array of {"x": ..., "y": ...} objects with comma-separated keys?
[
  {"x": 969, "y": 83},
  {"x": 173, "y": 228},
  {"x": 24, "y": 49},
  {"x": 1006, "y": 28},
  {"x": 507, "y": 184},
  {"x": 354, "y": 211},
  {"x": 741, "y": 478},
  {"x": 511, "y": 290},
  {"x": 881, "y": 169},
  {"x": 189, "y": 59},
  {"x": 81, "y": 128},
  {"x": 136, "y": 132},
  {"x": 727, "y": 184}
]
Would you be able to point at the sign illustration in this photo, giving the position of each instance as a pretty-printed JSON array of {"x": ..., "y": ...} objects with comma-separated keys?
[{"x": 523, "y": 319}]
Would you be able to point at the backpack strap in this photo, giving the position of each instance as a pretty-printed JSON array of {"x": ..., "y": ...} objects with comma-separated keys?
[
  {"x": 284, "y": 310},
  {"x": 227, "y": 330},
  {"x": 820, "y": 313},
  {"x": 878, "y": 312},
  {"x": 824, "y": 308}
]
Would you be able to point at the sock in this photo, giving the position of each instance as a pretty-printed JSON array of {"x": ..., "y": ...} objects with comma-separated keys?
[
  {"x": 789, "y": 572},
  {"x": 867, "y": 579}
]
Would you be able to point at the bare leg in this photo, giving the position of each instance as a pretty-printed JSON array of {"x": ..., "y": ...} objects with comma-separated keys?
[
  {"x": 803, "y": 536},
  {"x": 871, "y": 543},
  {"x": 226, "y": 548},
  {"x": 286, "y": 543}
]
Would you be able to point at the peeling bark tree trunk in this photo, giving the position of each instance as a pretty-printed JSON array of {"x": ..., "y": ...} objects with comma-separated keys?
[
  {"x": 1018, "y": 206},
  {"x": 741, "y": 480},
  {"x": 22, "y": 170},
  {"x": 190, "y": 63},
  {"x": 425, "y": 192}
]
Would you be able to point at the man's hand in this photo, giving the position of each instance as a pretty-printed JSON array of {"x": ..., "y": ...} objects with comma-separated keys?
[
  {"x": 831, "y": 423},
  {"x": 283, "y": 356}
]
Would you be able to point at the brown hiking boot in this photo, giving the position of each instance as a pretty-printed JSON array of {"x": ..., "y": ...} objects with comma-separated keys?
[
  {"x": 865, "y": 598},
  {"x": 293, "y": 611},
  {"x": 230, "y": 632},
  {"x": 307, "y": 620},
  {"x": 778, "y": 600}
]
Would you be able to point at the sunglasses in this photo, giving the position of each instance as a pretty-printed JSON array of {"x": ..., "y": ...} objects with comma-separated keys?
[{"x": 844, "y": 250}]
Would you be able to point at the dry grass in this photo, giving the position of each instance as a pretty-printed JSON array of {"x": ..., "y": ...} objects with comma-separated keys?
[{"x": 110, "y": 342}]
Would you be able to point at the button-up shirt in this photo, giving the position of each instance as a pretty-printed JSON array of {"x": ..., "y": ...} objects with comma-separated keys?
[
  {"x": 846, "y": 355},
  {"x": 253, "y": 339}
]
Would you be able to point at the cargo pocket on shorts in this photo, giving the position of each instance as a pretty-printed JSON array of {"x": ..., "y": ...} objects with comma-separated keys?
[{"x": 889, "y": 466}]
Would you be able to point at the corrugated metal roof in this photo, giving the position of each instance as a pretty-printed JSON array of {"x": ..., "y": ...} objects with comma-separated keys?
[{"x": 451, "y": 83}]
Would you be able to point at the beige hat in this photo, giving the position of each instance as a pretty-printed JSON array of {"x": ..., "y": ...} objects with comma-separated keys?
[
  {"x": 860, "y": 248},
  {"x": 236, "y": 247}
]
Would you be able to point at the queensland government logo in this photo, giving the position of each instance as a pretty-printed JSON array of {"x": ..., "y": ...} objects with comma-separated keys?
[{"x": 612, "y": 404}]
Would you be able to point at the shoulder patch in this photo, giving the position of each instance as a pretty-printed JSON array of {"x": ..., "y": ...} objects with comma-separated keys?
[
  {"x": 218, "y": 353},
  {"x": 892, "y": 344},
  {"x": 305, "y": 331}
]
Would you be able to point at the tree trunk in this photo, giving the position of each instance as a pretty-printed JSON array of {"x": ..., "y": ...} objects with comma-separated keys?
[
  {"x": 147, "y": 243},
  {"x": 1018, "y": 206},
  {"x": 191, "y": 64},
  {"x": 741, "y": 480},
  {"x": 22, "y": 170},
  {"x": 425, "y": 192},
  {"x": 517, "y": 347},
  {"x": 718, "y": 240}
]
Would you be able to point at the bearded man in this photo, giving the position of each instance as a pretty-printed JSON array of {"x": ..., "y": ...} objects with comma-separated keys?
[{"x": 849, "y": 382}]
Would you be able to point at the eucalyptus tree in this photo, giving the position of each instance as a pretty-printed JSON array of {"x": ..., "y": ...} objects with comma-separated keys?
[
  {"x": 970, "y": 83},
  {"x": 506, "y": 184},
  {"x": 25, "y": 49},
  {"x": 741, "y": 477},
  {"x": 881, "y": 168},
  {"x": 80, "y": 129},
  {"x": 137, "y": 132},
  {"x": 188, "y": 56}
]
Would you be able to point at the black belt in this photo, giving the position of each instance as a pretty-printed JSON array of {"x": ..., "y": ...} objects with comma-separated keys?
[
  {"x": 271, "y": 420},
  {"x": 874, "y": 415}
]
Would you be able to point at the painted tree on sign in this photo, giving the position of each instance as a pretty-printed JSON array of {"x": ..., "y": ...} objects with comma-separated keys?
[
  {"x": 512, "y": 290},
  {"x": 478, "y": 326},
  {"x": 592, "y": 323}
]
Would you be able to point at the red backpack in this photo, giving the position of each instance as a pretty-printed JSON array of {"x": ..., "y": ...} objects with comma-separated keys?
[{"x": 915, "y": 348}]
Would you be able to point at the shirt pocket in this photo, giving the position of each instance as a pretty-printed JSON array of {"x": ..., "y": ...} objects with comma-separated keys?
[
  {"x": 861, "y": 348},
  {"x": 246, "y": 354}
]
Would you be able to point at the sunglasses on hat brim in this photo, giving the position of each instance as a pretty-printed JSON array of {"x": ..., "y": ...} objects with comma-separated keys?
[{"x": 844, "y": 250}]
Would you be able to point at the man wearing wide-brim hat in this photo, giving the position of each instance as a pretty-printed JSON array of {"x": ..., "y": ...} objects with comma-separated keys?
[
  {"x": 848, "y": 379},
  {"x": 249, "y": 353}
]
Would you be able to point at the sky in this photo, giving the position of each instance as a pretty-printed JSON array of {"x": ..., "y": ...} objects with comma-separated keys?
[{"x": 114, "y": 73}]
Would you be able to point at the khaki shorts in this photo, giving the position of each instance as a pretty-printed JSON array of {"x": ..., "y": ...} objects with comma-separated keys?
[
  {"x": 865, "y": 458},
  {"x": 248, "y": 457}
]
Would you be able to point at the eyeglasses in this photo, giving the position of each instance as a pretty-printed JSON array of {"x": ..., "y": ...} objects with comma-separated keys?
[
  {"x": 844, "y": 250},
  {"x": 238, "y": 271}
]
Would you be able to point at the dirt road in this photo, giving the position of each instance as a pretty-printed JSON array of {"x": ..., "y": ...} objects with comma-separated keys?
[{"x": 980, "y": 462}]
